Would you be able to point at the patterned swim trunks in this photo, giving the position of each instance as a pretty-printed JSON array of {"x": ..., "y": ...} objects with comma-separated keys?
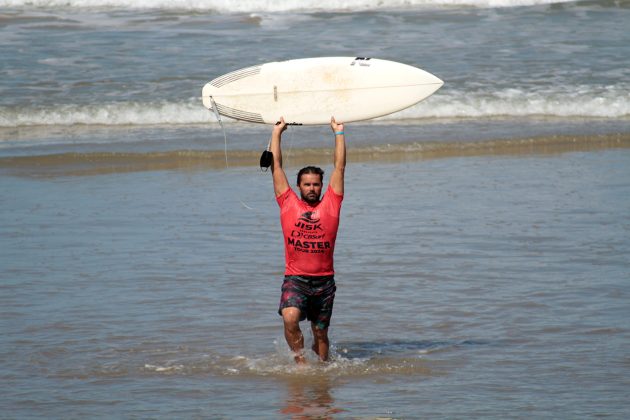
[{"x": 312, "y": 295}]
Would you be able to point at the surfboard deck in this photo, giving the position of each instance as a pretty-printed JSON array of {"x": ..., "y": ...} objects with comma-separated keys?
[{"x": 312, "y": 90}]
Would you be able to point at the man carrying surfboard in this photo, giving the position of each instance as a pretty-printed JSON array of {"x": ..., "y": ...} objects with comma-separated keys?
[{"x": 309, "y": 225}]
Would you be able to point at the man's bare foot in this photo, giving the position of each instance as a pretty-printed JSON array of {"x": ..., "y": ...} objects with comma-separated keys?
[
  {"x": 299, "y": 358},
  {"x": 315, "y": 349}
]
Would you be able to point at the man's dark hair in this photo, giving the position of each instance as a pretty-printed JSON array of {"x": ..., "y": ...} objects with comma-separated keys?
[{"x": 310, "y": 170}]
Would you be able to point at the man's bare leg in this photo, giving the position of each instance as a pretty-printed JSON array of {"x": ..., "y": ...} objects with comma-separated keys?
[
  {"x": 320, "y": 342},
  {"x": 293, "y": 334}
]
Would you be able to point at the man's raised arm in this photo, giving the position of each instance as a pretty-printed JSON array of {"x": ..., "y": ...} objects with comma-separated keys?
[
  {"x": 280, "y": 182},
  {"x": 337, "y": 177}
]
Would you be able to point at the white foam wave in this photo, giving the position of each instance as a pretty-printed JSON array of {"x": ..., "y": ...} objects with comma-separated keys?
[
  {"x": 163, "y": 369},
  {"x": 244, "y": 6},
  {"x": 452, "y": 104},
  {"x": 116, "y": 113},
  {"x": 611, "y": 103}
]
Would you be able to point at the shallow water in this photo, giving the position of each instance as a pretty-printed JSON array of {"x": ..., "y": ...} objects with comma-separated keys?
[{"x": 484, "y": 287}]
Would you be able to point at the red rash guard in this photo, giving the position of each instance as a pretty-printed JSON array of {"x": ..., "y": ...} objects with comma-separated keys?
[{"x": 309, "y": 233}]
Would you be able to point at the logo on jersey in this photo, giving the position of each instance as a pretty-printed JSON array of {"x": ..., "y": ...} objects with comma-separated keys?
[
  {"x": 308, "y": 227},
  {"x": 309, "y": 217},
  {"x": 309, "y": 221}
]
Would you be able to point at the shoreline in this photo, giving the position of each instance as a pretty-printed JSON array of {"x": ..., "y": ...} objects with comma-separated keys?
[{"x": 98, "y": 163}]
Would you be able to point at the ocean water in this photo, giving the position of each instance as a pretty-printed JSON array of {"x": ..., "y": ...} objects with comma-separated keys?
[
  {"x": 138, "y": 63},
  {"x": 482, "y": 259}
]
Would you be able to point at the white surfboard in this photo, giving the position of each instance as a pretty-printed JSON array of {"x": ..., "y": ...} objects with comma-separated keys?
[{"x": 311, "y": 90}]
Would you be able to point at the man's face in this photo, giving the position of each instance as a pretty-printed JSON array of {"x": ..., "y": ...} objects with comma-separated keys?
[{"x": 310, "y": 188}]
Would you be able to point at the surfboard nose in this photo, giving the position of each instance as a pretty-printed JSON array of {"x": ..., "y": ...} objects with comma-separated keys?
[
  {"x": 439, "y": 82},
  {"x": 436, "y": 83},
  {"x": 432, "y": 79}
]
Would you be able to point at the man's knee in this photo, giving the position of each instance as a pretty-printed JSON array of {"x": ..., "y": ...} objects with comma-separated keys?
[
  {"x": 320, "y": 334},
  {"x": 291, "y": 318}
]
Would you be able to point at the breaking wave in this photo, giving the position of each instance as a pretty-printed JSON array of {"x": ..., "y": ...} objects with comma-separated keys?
[
  {"x": 447, "y": 105},
  {"x": 244, "y": 6}
]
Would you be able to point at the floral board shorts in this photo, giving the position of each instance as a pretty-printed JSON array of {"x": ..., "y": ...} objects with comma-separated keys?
[{"x": 312, "y": 295}]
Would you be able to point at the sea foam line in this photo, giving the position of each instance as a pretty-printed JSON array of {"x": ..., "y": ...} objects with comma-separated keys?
[
  {"x": 243, "y": 6},
  {"x": 448, "y": 105}
]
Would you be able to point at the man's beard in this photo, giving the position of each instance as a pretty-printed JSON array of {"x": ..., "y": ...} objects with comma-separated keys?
[{"x": 310, "y": 198}]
